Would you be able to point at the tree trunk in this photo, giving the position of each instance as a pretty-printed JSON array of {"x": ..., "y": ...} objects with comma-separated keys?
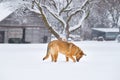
[
  {"x": 67, "y": 32},
  {"x": 46, "y": 22}
]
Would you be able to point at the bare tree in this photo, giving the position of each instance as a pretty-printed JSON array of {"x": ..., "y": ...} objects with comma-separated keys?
[
  {"x": 113, "y": 8},
  {"x": 108, "y": 12},
  {"x": 70, "y": 14}
]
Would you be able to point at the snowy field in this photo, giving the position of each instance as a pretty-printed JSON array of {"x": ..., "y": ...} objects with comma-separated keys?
[{"x": 24, "y": 62}]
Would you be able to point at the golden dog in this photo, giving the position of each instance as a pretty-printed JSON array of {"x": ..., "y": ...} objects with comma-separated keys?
[{"x": 66, "y": 48}]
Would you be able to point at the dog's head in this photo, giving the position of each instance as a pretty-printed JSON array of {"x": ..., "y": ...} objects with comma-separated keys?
[{"x": 79, "y": 55}]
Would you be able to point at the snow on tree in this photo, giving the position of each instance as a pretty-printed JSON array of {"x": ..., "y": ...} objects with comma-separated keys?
[
  {"x": 103, "y": 14},
  {"x": 113, "y": 11},
  {"x": 68, "y": 15}
]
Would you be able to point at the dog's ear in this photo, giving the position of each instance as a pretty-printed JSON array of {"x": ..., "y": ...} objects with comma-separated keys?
[{"x": 85, "y": 54}]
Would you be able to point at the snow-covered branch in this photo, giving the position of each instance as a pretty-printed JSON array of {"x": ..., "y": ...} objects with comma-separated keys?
[
  {"x": 63, "y": 14},
  {"x": 46, "y": 21},
  {"x": 85, "y": 15},
  {"x": 63, "y": 9},
  {"x": 53, "y": 3},
  {"x": 84, "y": 4},
  {"x": 77, "y": 26},
  {"x": 58, "y": 17}
]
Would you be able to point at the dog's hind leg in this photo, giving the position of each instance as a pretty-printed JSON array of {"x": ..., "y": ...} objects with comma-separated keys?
[
  {"x": 55, "y": 56},
  {"x": 52, "y": 58}
]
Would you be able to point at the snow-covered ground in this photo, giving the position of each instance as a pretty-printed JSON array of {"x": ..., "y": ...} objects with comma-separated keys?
[{"x": 24, "y": 62}]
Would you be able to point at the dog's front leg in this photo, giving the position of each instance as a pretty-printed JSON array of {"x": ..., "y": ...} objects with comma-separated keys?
[
  {"x": 67, "y": 59},
  {"x": 71, "y": 57}
]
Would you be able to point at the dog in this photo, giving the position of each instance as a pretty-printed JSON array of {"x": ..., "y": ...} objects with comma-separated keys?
[{"x": 67, "y": 48}]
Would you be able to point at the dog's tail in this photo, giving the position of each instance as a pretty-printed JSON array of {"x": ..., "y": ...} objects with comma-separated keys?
[{"x": 47, "y": 54}]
